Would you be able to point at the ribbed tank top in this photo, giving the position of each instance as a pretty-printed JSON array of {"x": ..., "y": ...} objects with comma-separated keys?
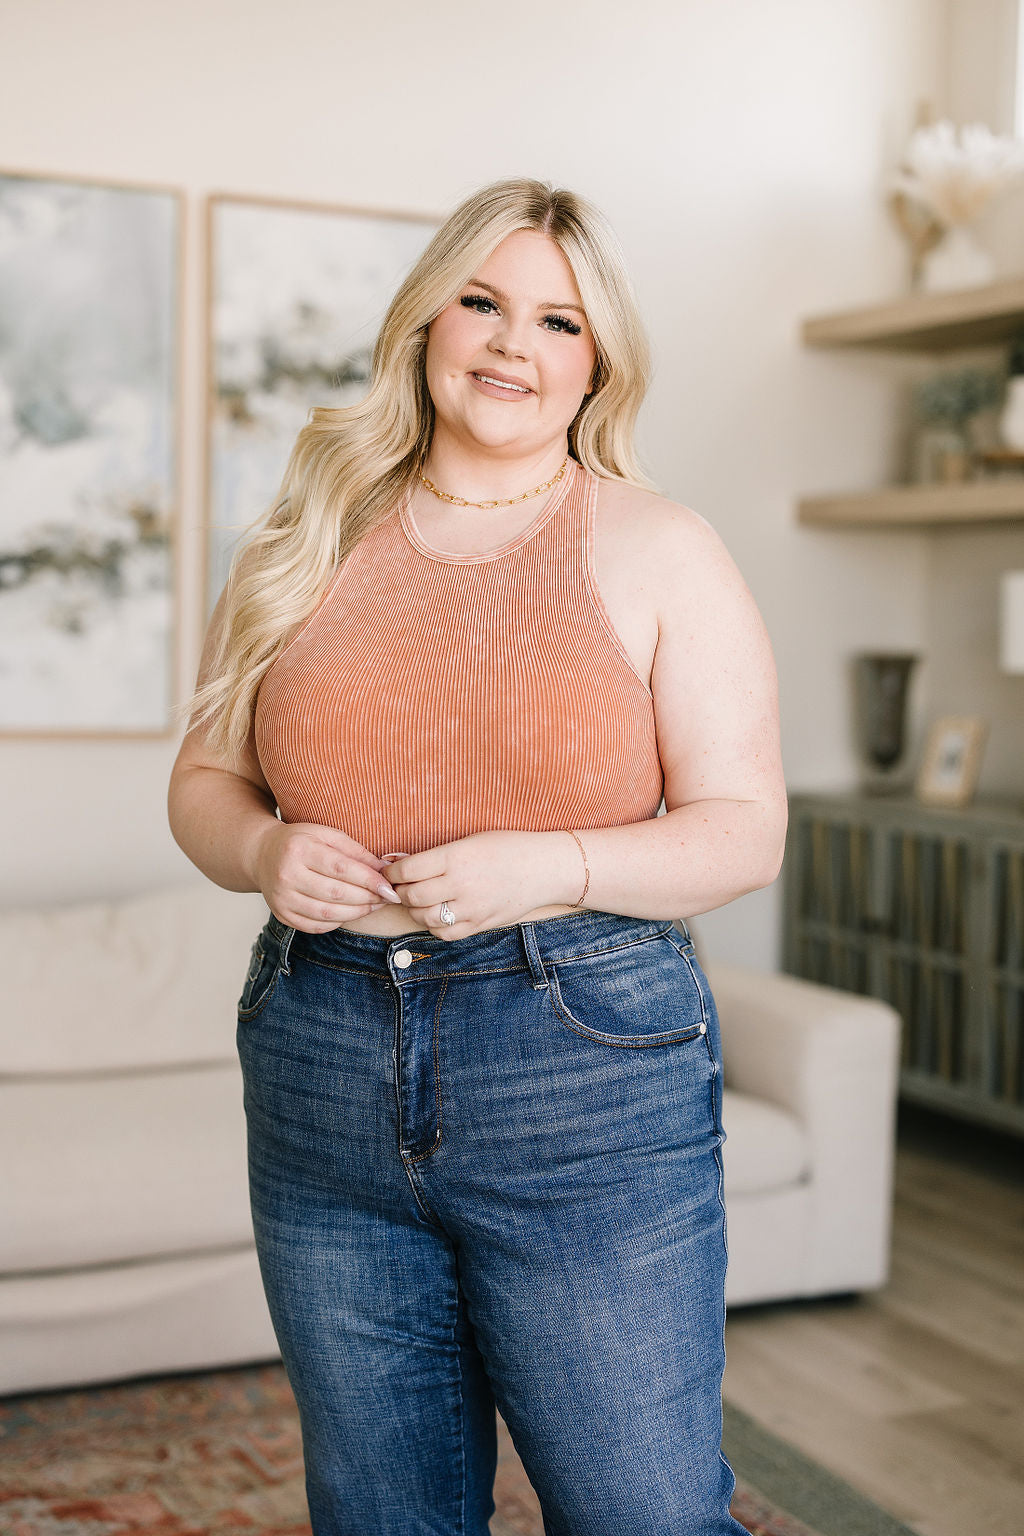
[{"x": 431, "y": 695}]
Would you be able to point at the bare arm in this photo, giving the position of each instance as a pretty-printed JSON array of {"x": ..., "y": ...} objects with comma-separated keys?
[
  {"x": 224, "y": 818},
  {"x": 716, "y": 706}
]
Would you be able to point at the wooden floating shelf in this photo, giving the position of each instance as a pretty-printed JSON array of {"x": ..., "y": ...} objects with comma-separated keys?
[
  {"x": 919, "y": 506},
  {"x": 926, "y": 322}
]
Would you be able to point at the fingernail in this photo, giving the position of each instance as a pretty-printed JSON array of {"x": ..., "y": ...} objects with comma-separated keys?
[{"x": 389, "y": 893}]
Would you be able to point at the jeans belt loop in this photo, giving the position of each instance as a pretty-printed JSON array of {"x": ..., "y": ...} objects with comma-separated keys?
[{"x": 538, "y": 975}]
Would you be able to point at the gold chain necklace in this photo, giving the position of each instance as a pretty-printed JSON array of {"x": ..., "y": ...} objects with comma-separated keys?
[{"x": 461, "y": 502}]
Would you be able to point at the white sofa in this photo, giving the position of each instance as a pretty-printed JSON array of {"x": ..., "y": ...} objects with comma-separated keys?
[{"x": 125, "y": 1234}]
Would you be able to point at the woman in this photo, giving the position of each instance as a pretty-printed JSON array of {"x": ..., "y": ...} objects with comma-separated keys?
[{"x": 465, "y": 657}]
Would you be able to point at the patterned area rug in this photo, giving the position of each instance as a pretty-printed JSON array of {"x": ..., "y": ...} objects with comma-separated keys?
[{"x": 218, "y": 1453}]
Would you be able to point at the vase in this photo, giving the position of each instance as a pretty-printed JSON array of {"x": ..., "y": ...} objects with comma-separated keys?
[
  {"x": 958, "y": 261},
  {"x": 942, "y": 454},
  {"x": 1011, "y": 420},
  {"x": 883, "y": 682}
]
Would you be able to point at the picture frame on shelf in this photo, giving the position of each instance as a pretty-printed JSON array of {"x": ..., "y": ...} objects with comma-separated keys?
[{"x": 951, "y": 762}]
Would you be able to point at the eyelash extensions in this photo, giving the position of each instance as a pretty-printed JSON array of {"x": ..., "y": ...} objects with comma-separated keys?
[{"x": 470, "y": 299}]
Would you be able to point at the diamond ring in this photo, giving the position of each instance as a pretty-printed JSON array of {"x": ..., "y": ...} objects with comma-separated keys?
[{"x": 447, "y": 915}]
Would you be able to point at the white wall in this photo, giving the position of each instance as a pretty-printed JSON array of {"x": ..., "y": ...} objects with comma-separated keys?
[
  {"x": 739, "y": 149},
  {"x": 982, "y": 66}
]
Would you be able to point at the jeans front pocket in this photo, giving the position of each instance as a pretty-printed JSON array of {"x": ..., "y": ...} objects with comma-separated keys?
[
  {"x": 264, "y": 964},
  {"x": 634, "y": 995}
]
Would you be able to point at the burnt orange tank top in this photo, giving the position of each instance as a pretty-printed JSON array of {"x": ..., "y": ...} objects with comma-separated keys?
[{"x": 431, "y": 695}]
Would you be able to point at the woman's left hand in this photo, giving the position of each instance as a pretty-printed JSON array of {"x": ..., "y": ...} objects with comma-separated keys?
[{"x": 487, "y": 879}]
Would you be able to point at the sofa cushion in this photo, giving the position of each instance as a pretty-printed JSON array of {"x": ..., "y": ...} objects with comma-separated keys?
[
  {"x": 146, "y": 980},
  {"x": 128, "y": 1166},
  {"x": 765, "y": 1147}
]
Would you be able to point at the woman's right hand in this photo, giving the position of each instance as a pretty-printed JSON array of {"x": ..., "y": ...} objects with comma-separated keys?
[{"x": 315, "y": 878}]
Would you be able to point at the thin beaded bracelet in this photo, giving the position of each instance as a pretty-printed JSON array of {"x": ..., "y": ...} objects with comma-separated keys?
[{"x": 586, "y": 866}]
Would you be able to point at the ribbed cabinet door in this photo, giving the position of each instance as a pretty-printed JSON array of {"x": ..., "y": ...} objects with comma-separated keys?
[
  {"x": 999, "y": 979},
  {"x": 924, "y": 908},
  {"x": 828, "y": 895}
]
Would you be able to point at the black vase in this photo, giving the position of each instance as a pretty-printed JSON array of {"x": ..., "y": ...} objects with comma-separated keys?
[{"x": 883, "y": 682}]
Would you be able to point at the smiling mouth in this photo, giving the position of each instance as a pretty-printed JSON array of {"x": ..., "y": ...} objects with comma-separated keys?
[{"x": 511, "y": 389}]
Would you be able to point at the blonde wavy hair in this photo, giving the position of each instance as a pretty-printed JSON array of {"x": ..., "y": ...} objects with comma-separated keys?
[{"x": 351, "y": 464}]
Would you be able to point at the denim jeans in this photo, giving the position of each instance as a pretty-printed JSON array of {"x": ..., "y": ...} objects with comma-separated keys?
[{"x": 488, "y": 1171}]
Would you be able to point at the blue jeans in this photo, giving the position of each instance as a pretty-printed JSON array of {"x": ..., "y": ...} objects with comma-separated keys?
[{"x": 488, "y": 1171}]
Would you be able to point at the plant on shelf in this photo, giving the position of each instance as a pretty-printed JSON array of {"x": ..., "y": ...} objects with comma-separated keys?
[{"x": 945, "y": 406}]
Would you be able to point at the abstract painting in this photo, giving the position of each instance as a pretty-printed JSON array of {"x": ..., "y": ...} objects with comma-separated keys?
[
  {"x": 297, "y": 295},
  {"x": 89, "y": 317}
]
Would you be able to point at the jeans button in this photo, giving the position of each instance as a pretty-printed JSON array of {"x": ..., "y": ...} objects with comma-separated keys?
[{"x": 402, "y": 958}]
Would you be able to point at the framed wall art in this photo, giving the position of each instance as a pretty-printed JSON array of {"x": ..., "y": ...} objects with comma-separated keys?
[
  {"x": 90, "y": 281},
  {"x": 296, "y": 296}
]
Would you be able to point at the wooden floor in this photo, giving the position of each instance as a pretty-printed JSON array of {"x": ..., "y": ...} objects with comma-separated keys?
[{"x": 915, "y": 1393}]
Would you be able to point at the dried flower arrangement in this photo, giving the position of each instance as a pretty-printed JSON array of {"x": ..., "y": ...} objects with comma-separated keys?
[
  {"x": 956, "y": 181},
  {"x": 942, "y": 186}
]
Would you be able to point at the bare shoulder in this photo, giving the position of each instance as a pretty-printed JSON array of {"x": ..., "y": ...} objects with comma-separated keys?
[
  {"x": 652, "y": 522},
  {"x": 675, "y": 549}
]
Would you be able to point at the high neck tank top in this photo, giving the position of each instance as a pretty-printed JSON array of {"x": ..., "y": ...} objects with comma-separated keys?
[{"x": 431, "y": 695}]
